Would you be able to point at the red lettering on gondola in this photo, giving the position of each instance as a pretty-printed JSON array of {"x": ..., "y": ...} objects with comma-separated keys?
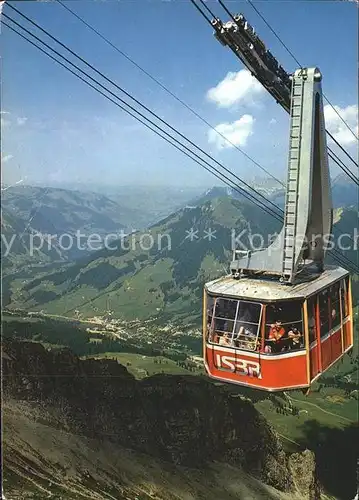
[{"x": 240, "y": 366}]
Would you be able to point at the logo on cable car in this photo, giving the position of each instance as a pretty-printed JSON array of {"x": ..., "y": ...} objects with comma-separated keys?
[{"x": 240, "y": 366}]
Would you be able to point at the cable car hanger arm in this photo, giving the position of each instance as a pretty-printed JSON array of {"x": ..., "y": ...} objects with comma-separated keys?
[
  {"x": 308, "y": 206},
  {"x": 241, "y": 38}
]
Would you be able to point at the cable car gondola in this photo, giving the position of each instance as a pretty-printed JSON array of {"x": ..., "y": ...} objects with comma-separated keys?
[{"x": 282, "y": 317}]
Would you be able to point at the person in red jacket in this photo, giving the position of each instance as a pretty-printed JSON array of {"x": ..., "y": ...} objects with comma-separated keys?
[{"x": 276, "y": 333}]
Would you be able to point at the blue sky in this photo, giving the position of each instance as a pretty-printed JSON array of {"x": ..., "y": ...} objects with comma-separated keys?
[{"x": 55, "y": 129}]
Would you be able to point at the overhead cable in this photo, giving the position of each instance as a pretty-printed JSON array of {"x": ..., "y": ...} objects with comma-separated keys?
[
  {"x": 166, "y": 89},
  {"x": 121, "y": 89},
  {"x": 281, "y": 41},
  {"x": 242, "y": 191},
  {"x": 339, "y": 257},
  {"x": 296, "y": 60}
]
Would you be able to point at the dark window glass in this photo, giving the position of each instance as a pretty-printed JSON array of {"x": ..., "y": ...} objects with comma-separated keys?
[
  {"x": 223, "y": 324},
  {"x": 334, "y": 305},
  {"x": 286, "y": 312},
  {"x": 226, "y": 308},
  {"x": 210, "y": 307},
  {"x": 324, "y": 312},
  {"x": 334, "y": 292},
  {"x": 312, "y": 302},
  {"x": 344, "y": 297},
  {"x": 248, "y": 312}
]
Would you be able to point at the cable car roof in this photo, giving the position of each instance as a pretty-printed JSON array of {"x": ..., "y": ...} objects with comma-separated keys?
[{"x": 270, "y": 289}]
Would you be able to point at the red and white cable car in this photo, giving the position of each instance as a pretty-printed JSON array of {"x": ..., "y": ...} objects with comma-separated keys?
[
  {"x": 281, "y": 318},
  {"x": 263, "y": 334}
]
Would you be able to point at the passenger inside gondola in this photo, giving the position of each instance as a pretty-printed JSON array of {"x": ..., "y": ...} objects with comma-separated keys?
[
  {"x": 225, "y": 340},
  {"x": 234, "y": 323},
  {"x": 245, "y": 337},
  {"x": 276, "y": 333},
  {"x": 283, "y": 327},
  {"x": 295, "y": 338},
  {"x": 247, "y": 326}
]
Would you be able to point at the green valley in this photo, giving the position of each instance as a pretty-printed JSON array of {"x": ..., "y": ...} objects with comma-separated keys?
[
  {"x": 156, "y": 274},
  {"x": 164, "y": 282}
]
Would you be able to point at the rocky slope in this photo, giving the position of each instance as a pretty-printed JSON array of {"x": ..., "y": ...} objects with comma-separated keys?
[{"x": 69, "y": 418}]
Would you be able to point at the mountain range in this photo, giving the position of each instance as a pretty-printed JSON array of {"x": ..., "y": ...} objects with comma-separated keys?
[
  {"x": 94, "y": 208},
  {"x": 164, "y": 281},
  {"x": 158, "y": 273},
  {"x": 55, "y": 211},
  {"x": 42, "y": 225}
]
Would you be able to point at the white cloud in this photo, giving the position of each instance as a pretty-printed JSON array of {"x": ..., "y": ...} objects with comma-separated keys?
[
  {"x": 12, "y": 119},
  {"x": 4, "y": 123},
  {"x": 6, "y": 158},
  {"x": 237, "y": 133},
  {"x": 21, "y": 120},
  {"x": 336, "y": 126},
  {"x": 235, "y": 88},
  {"x": 272, "y": 121}
]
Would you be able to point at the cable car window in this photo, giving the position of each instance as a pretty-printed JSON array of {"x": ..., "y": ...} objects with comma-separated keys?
[
  {"x": 324, "y": 313},
  {"x": 284, "y": 327},
  {"x": 344, "y": 297},
  {"x": 247, "y": 325},
  {"x": 210, "y": 306},
  {"x": 334, "y": 305},
  {"x": 347, "y": 288},
  {"x": 249, "y": 312},
  {"x": 334, "y": 292},
  {"x": 224, "y": 315},
  {"x": 312, "y": 304},
  {"x": 287, "y": 311},
  {"x": 236, "y": 323},
  {"x": 226, "y": 308}
]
